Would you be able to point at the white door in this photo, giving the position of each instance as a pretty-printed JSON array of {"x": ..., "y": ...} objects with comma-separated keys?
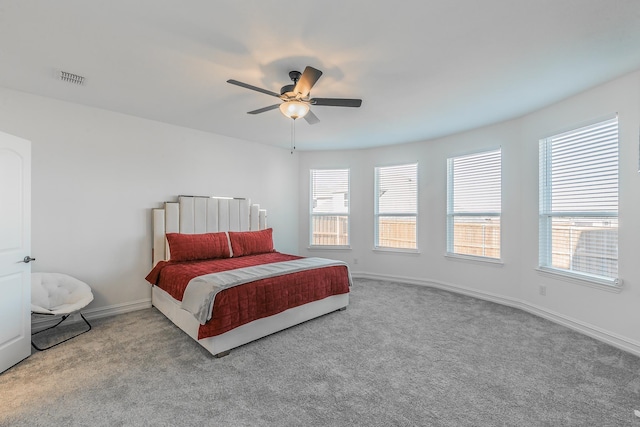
[{"x": 15, "y": 245}]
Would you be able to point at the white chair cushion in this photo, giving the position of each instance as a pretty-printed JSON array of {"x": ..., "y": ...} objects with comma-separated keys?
[{"x": 57, "y": 293}]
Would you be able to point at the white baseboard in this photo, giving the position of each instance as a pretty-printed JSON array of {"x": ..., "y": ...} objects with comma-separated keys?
[
  {"x": 39, "y": 323},
  {"x": 592, "y": 331}
]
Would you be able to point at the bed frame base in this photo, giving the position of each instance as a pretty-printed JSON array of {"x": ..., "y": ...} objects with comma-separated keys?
[{"x": 244, "y": 334}]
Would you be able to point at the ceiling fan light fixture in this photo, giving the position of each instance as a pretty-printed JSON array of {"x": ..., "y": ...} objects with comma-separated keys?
[{"x": 294, "y": 109}]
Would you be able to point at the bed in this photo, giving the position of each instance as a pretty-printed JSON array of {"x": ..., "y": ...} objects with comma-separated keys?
[{"x": 206, "y": 251}]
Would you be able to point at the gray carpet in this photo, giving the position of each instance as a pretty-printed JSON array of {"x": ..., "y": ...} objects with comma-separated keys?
[{"x": 400, "y": 355}]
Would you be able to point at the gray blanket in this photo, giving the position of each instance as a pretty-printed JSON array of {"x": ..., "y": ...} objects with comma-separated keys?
[{"x": 201, "y": 291}]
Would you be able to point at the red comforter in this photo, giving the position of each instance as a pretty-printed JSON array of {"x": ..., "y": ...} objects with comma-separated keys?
[{"x": 242, "y": 304}]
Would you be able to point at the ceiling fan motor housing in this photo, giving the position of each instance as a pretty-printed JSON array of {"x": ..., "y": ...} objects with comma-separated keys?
[{"x": 287, "y": 88}]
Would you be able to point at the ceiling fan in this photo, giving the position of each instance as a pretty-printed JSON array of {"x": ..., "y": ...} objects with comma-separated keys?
[{"x": 296, "y": 97}]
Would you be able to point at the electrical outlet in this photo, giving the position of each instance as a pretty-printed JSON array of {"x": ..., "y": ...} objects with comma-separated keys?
[
  {"x": 543, "y": 290},
  {"x": 355, "y": 261}
]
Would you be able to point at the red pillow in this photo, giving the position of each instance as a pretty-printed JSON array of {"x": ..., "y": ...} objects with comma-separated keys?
[
  {"x": 191, "y": 247},
  {"x": 251, "y": 242}
]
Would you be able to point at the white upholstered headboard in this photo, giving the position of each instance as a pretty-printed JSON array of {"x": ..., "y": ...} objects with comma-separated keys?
[{"x": 199, "y": 214}]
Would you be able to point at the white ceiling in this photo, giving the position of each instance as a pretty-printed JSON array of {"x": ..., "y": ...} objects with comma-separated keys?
[{"x": 423, "y": 68}]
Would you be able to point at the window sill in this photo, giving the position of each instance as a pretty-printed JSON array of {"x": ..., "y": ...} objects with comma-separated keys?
[
  {"x": 476, "y": 259},
  {"x": 609, "y": 285},
  {"x": 397, "y": 250},
  {"x": 329, "y": 248}
]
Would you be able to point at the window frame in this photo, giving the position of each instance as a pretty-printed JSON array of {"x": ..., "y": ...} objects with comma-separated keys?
[
  {"x": 452, "y": 214},
  {"x": 377, "y": 214},
  {"x": 313, "y": 215},
  {"x": 546, "y": 215}
]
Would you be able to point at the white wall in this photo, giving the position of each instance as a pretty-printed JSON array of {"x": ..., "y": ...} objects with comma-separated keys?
[
  {"x": 97, "y": 175},
  {"x": 613, "y": 317}
]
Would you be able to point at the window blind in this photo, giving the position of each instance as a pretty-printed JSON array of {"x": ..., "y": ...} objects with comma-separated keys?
[
  {"x": 330, "y": 190},
  {"x": 474, "y": 204},
  {"x": 329, "y": 207},
  {"x": 396, "y": 206},
  {"x": 579, "y": 201}
]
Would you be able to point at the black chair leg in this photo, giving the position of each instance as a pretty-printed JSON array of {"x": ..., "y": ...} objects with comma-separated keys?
[{"x": 65, "y": 340}]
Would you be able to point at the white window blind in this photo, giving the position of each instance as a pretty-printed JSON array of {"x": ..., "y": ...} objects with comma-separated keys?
[
  {"x": 396, "y": 206},
  {"x": 474, "y": 204},
  {"x": 579, "y": 202},
  {"x": 329, "y": 207}
]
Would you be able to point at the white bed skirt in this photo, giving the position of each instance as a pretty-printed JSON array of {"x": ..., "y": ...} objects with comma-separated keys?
[{"x": 170, "y": 307}]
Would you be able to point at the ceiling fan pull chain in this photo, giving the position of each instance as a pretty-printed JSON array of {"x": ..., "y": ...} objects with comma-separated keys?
[{"x": 293, "y": 136}]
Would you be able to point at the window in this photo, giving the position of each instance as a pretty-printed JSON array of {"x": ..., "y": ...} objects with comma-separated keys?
[
  {"x": 474, "y": 203},
  {"x": 579, "y": 202},
  {"x": 396, "y": 206},
  {"x": 329, "y": 207}
]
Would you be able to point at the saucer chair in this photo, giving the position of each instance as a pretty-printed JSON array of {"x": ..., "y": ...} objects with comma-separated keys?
[{"x": 57, "y": 294}]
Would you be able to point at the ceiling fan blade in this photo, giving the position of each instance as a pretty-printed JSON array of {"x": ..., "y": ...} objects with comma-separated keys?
[
  {"x": 262, "y": 110},
  {"x": 311, "y": 118},
  {"x": 248, "y": 86},
  {"x": 336, "y": 102},
  {"x": 309, "y": 77}
]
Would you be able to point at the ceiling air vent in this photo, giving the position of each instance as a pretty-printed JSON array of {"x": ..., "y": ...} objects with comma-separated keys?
[{"x": 71, "y": 78}]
